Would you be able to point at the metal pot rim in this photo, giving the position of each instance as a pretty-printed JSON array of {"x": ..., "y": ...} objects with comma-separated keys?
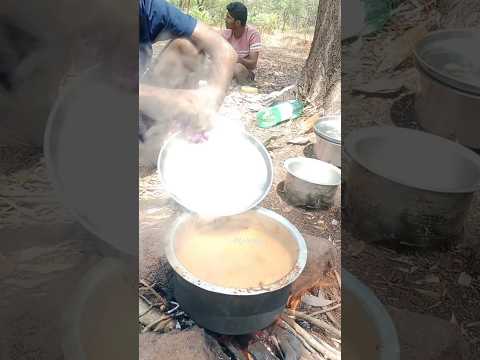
[
  {"x": 438, "y": 74},
  {"x": 285, "y": 281},
  {"x": 376, "y": 310},
  {"x": 335, "y": 169},
  {"x": 360, "y": 134},
  {"x": 324, "y": 136}
]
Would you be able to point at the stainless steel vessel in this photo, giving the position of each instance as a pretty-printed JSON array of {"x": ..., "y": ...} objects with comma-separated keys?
[
  {"x": 447, "y": 101},
  {"x": 311, "y": 182},
  {"x": 408, "y": 187},
  {"x": 223, "y": 167},
  {"x": 233, "y": 311},
  {"x": 369, "y": 333},
  {"x": 328, "y": 145}
]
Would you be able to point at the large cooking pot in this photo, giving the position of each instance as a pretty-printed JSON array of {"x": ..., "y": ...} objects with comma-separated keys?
[
  {"x": 368, "y": 331},
  {"x": 235, "y": 311},
  {"x": 447, "y": 101},
  {"x": 408, "y": 186},
  {"x": 328, "y": 144}
]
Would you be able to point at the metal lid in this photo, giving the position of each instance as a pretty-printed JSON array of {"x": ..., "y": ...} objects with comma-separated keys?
[
  {"x": 330, "y": 128},
  {"x": 452, "y": 57},
  {"x": 228, "y": 174}
]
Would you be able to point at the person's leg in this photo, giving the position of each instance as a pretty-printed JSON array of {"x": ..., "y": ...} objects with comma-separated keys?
[{"x": 242, "y": 75}]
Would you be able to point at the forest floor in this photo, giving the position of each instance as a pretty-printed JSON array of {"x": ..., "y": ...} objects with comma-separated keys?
[{"x": 424, "y": 282}]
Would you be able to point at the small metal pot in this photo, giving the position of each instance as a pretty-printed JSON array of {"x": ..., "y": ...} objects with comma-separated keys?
[
  {"x": 311, "y": 182},
  {"x": 232, "y": 311},
  {"x": 447, "y": 103},
  {"x": 408, "y": 187},
  {"x": 328, "y": 145}
]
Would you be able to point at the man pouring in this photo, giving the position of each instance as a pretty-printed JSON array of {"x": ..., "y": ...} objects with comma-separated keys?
[{"x": 165, "y": 92}]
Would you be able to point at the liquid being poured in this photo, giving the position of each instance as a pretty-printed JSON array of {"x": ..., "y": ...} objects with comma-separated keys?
[{"x": 243, "y": 251}]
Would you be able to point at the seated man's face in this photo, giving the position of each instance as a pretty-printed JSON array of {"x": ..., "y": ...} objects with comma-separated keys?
[{"x": 229, "y": 21}]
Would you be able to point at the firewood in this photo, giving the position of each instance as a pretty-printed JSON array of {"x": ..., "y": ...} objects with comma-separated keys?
[
  {"x": 316, "y": 322},
  {"x": 322, "y": 348},
  {"x": 153, "y": 319}
]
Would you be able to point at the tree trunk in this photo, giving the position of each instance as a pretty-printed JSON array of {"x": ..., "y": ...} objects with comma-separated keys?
[{"x": 319, "y": 82}]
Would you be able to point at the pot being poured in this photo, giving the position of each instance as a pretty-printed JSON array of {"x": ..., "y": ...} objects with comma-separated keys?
[{"x": 233, "y": 274}]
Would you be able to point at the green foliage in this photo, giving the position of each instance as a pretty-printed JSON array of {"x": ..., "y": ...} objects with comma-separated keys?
[
  {"x": 268, "y": 22},
  {"x": 267, "y": 15}
]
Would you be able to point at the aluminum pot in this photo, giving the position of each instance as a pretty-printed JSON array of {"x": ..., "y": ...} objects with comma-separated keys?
[
  {"x": 233, "y": 311},
  {"x": 310, "y": 182},
  {"x": 447, "y": 101},
  {"x": 328, "y": 145},
  {"x": 408, "y": 187},
  {"x": 99, "y": 308},
  {"x": 369, "y": 332}
]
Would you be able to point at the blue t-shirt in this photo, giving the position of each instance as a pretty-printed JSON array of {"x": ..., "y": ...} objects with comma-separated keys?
[{"x": 159, "y": 20}]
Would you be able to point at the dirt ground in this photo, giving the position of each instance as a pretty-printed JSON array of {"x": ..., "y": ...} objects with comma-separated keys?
[{"x": 423, "y": 282}]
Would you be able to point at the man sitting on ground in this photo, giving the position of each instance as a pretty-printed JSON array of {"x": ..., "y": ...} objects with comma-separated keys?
[{"x": 245, "y": 39}]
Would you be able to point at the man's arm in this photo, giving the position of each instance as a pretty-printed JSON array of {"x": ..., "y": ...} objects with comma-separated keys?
[
  {"x": 223, "y": 58},
  {"x": 250, "y": 62}
]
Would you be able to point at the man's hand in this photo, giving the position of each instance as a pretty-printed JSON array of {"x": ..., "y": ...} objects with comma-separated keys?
[
  {"x": 192, "y": 111},
  {"x": 197, "y": 109}
]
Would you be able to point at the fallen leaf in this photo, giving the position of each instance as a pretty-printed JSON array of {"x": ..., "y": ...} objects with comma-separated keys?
[
  {"x": 308, "y": 123},
  {"x": 431, "y": 279},
  {"x": 381, "y": 87},
  {"x": 428, "y": 293},
  {"x": 402, "y": 259},
  {"x": 400, "y": 48},
  {"x": 316, "y": 301},
  {"x": 464, "y": 279},
  {"x": 473, "y": 324},
  {"x": 271, "y": 139},
  {"x": 299, "y": 141}
]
